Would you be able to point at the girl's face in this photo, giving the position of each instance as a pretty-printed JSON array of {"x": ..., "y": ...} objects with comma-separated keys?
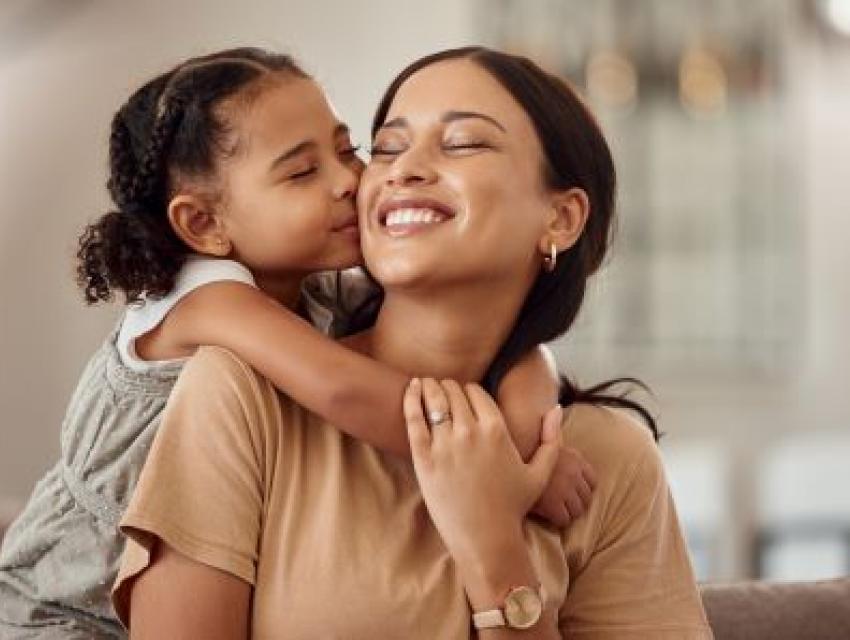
[
  {"x": 290, "y": 186},
  {"x": 454, "y": 192}
]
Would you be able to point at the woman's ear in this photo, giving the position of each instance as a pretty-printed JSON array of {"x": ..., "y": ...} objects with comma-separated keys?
[
  {"x": 570, "y": 209},
  {"x": 198, "y": 225}
]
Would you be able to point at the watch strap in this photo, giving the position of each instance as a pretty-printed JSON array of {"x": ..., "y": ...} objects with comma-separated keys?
[
  {"x": 495, "y": 618},
  {"x": 491, "y": 619}
]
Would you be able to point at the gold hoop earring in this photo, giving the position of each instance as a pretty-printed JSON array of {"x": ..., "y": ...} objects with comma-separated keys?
[{"x": 551, "y": 260}]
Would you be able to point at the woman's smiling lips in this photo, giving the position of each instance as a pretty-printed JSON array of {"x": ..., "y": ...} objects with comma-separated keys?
[{"x": 405, "y": 217}]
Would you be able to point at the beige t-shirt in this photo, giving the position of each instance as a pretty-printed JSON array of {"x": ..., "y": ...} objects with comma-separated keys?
[{"x": 335, "y": 538}]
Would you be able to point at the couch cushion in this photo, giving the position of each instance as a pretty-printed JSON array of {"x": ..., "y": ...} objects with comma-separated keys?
[{"x": 779, "y": 611}]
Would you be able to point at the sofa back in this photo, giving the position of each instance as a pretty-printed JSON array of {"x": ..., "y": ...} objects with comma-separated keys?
[{"x": 779, "y": 611}]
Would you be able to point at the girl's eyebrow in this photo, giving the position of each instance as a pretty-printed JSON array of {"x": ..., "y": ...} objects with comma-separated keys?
[
  {"x": 305, "y": 145},
  {"x": 450, "y": 116}
]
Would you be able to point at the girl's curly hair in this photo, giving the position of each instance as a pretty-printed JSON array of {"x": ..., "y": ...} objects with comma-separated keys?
[{"x": 170, "y": 127}]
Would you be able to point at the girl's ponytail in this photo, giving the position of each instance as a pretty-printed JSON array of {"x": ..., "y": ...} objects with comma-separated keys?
[
  {"x": 133, "y": 249},
  {"x": 128, "y": 252}
]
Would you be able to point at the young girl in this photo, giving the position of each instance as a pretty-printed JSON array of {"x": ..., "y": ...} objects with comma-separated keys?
[{"x": 233, "y": 180}]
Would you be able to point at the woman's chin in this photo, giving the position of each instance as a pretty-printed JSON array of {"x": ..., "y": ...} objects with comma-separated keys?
[{"x": 400, "y": 273}]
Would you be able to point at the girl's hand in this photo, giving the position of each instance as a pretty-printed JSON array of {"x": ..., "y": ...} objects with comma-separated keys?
[
  {"x": 475, "y": 484},
  {"x": 567, "y": 496}
]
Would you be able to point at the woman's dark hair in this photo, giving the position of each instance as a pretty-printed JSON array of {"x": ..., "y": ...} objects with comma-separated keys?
[
  {"x": 575, "y": 155},
  {"x": 170, "y": 129}
]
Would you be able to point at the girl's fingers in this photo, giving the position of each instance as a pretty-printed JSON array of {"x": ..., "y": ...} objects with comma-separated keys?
[
  {"x": 589, "y": 476},
  {"x": 575, "y": 506},
  {"x": 584, "y": 491},
  {"x": 564, "y": 516},
  {"x": 462, "y": 415},
  {"x": 417, "y": 427},
  {"x": 484, "y": 406},
  {"x": 437, "y": 410}
]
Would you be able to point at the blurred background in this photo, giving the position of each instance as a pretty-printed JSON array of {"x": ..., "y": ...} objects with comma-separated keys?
[{"x": 728, "y": 289}]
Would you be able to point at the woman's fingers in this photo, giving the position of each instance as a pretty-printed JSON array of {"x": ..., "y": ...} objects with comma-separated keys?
[
  {"x": 435, "y": 401},
  {"x": 543, "y": 462},
  {"x": 417, "y": 427},
  {"x": 462, "y": 416},
  {"x": 484, "y": 407}
]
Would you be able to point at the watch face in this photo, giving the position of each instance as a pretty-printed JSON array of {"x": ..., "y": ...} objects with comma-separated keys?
[{"x": 523, "y": 608}]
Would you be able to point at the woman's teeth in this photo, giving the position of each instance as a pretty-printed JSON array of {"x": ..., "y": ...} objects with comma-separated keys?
[{"x": 413, "y": 216}]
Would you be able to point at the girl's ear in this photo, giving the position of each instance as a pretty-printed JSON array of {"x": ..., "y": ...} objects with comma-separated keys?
[
  {"x": 570, "y": 210},
  {"x": 194, "y": 221}
]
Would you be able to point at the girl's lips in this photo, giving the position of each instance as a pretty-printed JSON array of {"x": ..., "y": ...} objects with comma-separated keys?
[{"x": 347, "y": 224}]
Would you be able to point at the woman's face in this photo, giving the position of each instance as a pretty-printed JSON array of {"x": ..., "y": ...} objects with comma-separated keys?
[
  {"x": 291, "y": 184},
  {"x": 454, "y": 192}
]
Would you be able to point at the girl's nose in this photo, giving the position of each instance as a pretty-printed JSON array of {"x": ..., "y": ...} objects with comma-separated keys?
[{"x": 349, "y": 179}]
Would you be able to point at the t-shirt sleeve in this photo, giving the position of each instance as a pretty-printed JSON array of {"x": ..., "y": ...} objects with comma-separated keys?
[
  {"x": 636, "y": 582},
  {"x": 201, "y": 489}
]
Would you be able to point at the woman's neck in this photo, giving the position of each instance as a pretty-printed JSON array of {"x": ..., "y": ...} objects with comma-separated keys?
[{"x": 453, "y": 335}]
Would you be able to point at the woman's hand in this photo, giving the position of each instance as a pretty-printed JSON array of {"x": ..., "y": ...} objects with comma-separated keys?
[{"x": 475, "y": 484}]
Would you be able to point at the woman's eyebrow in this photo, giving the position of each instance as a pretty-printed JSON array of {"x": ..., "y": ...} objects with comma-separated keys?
[
  {"x": 450, "y": 116},
  {"x": 306, "y": 145}
]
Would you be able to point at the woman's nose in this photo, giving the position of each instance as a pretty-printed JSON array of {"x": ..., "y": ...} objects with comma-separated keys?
[{"x": 410, "y": 168}]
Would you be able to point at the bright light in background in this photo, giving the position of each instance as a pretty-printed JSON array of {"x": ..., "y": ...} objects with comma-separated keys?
[
  {"x": 702, "y": 83},
  {"x": 612, "y": 79},
  {"x": 837, "y": 13}
]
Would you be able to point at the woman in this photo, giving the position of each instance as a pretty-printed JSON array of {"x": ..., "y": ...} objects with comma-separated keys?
[{"x": 486, "y": 207}]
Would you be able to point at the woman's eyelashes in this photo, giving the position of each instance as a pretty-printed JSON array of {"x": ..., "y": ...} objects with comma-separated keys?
[
  {"x": 464, "y": 147},
  {"x": 385, "y": 149}
]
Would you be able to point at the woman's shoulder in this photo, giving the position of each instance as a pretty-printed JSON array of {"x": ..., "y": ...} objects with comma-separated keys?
[
  {"x": 215, "y": 370},
  {"x": 611, "y": 439},
  {"x": 217, "y": 367}
]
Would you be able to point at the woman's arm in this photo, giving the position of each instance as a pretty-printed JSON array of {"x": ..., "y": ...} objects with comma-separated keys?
[
  {"x": 194, "y": 522},
  {"x": 479, "y": 514},
  {"x": 177, "y": 598}
]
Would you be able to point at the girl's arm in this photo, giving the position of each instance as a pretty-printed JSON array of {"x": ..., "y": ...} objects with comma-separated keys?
[
  {"x": 360, "y": 395},
  {"x": 177, "y": 597},
  {"x": 529, "y": 389}
]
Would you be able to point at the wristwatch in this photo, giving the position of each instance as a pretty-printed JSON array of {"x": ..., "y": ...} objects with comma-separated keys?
[{"x": 522, "y": 608}]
